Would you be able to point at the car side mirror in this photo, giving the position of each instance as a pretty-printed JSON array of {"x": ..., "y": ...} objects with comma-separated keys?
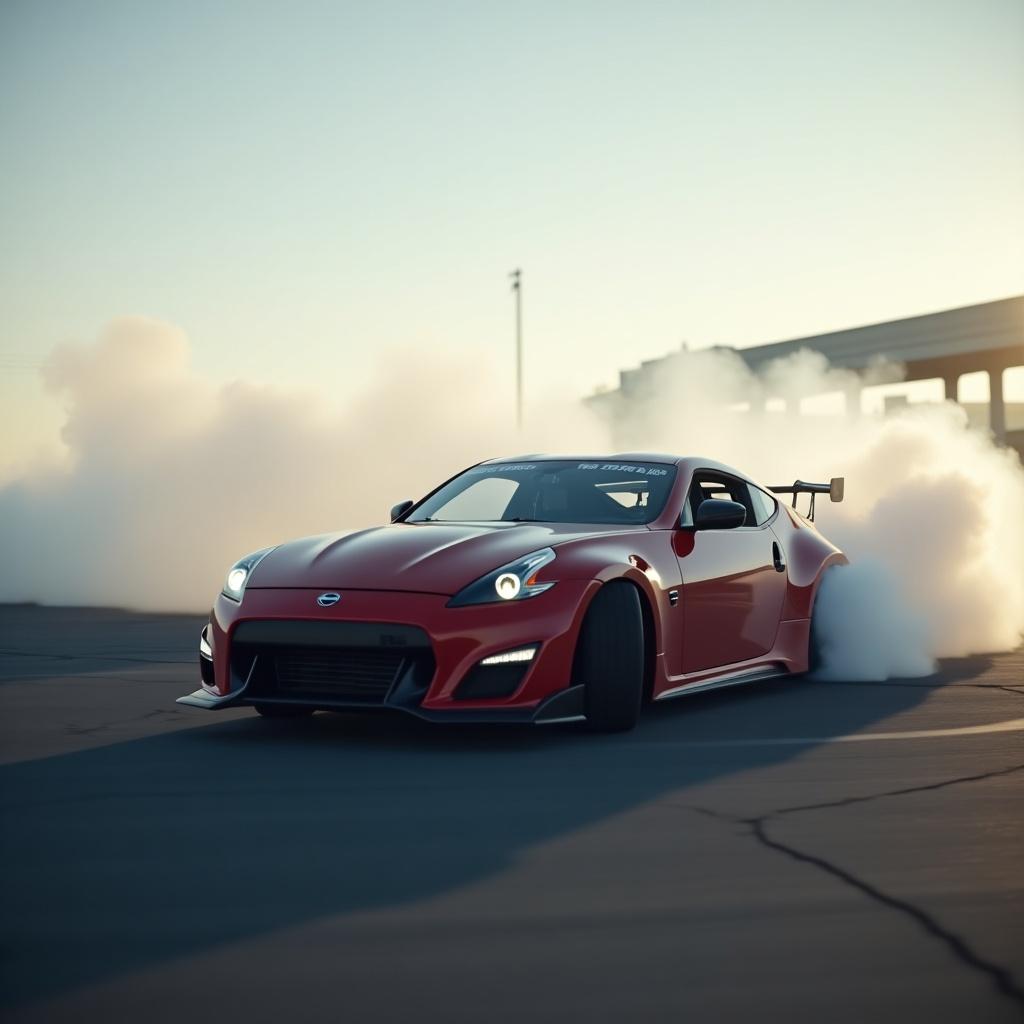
[
  {"x": 401, "y": 508},
  {"x": 717, "y": 514}
]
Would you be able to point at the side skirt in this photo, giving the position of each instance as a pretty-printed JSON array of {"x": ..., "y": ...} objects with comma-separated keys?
[{"x": 750, "y": 675}]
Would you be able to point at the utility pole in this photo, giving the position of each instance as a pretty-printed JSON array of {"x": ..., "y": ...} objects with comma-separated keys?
[{"x": 517, "y": 287}]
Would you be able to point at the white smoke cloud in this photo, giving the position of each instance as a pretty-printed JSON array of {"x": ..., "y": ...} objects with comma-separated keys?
[
  {"x": 933, "y": 520},
  {"x": 168, "y": 478},
  {"x": 867, "y": 630}
]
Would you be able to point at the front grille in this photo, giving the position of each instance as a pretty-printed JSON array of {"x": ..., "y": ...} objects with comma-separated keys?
[
  {"x": 353, "y": 673},
  {"x": 331, "y": 663}
]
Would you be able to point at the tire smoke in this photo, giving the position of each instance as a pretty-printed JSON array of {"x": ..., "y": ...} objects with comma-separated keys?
[
  {"x": 166, "y": 478},
  {"x": 932, "y": 521}
]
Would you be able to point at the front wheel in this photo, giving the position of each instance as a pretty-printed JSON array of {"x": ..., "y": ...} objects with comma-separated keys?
[
  {"x": 610, "y": 658},
  {"x": 283, "y": 711}
]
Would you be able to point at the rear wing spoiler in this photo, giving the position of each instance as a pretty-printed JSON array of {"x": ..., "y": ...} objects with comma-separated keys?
[{"x": 835, "y": 489}]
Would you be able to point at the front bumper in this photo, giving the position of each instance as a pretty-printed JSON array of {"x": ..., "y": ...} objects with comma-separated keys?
[{"x": 452, "y": 642}]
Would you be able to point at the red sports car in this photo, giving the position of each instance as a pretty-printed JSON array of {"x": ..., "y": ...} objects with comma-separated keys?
[{"x": 537, "y": 589}]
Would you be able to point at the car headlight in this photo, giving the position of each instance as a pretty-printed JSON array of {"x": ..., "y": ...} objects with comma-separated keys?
[
  {"x": 239, "y": 573},
  {"x": 513, "y": 582}
]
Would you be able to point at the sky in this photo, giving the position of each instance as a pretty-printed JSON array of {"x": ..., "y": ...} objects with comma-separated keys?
[{"x": 309, "y": 190}]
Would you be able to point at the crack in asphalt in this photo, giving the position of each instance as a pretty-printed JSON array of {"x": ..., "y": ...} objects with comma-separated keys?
[
  {"x": 902, "y": 684},
  {"x": 1001, "y": 977},
  {"x": 846, "y": 801}
]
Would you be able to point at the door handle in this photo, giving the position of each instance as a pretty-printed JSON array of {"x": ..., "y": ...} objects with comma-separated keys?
[{"x": 777, "y": 559}]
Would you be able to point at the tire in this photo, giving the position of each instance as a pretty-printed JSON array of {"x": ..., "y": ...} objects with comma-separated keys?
[
  {"x": 610, "y": 659},
  {"x": 283, "y": 711},
  {"x": 815, "y": 659}
]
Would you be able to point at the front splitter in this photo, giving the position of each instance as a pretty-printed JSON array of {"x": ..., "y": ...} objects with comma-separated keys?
[{"x": 567, "y": 705}]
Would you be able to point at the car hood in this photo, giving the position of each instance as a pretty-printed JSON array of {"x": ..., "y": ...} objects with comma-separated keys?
[{"x": 434, "y": 558}]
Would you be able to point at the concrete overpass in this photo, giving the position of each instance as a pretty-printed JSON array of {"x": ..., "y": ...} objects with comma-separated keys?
[{"x": 987, "y": 337}]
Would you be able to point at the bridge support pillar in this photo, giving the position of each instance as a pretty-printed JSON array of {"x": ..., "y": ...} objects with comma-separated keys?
[{"x": 996, "y": 406}]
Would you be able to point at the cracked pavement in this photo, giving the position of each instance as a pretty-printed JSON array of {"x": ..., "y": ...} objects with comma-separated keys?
[{"x": 174, "y": 864}]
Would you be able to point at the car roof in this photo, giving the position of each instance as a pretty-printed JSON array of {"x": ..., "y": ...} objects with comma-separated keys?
[
  {"x": 672, "y": 460},
  {"x": 684, "y": 462}
]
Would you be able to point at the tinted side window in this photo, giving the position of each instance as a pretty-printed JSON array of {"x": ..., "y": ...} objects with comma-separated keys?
[
  {"x": 764, "y": 505},
  {"x": 716, "y": 486}
]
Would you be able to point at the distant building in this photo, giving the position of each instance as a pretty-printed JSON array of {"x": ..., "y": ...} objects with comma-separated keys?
[{"x": 987, "y": 337}]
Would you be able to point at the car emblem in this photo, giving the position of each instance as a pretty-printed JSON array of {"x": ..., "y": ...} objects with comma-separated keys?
[{"x": 326, "y": 600}]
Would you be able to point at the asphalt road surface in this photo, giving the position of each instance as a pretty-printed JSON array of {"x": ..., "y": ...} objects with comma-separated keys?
[{"x": 797, "y": 851}]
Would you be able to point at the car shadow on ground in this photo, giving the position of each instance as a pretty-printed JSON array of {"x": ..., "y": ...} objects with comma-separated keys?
[{"x": 121, "y": 857}]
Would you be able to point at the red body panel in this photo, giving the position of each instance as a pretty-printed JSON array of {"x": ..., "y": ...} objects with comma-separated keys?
[
  {"x": 460, "y": 636},
  {"x": 426, "y": 558},
  {"x": 732, "y": 596},
  {"x": 718, "y": 605}
]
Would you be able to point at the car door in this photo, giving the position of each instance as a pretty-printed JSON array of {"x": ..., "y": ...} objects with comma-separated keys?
[{"x": 734, "y": 580}]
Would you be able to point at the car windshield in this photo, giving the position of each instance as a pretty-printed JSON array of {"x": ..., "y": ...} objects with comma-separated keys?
[{"x": 552, "y": 492}]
